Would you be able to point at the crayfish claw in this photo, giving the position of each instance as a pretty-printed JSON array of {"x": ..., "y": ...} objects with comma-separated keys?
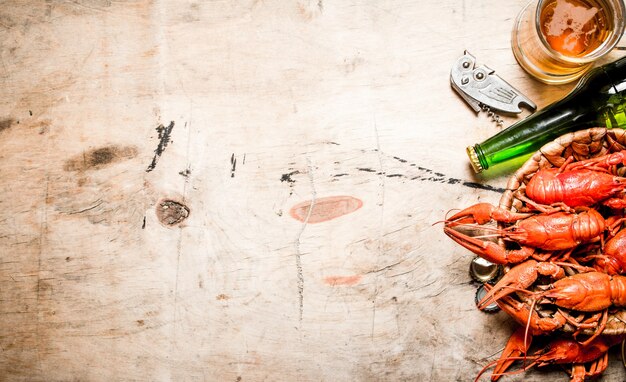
[
  {"x": 482, "y": 213},
  {"x": 525, "y": 314},
  {"x": 488, "y": 250},
  {"x": 477, "y": 214},
  {"x": 517, "y": 278}
]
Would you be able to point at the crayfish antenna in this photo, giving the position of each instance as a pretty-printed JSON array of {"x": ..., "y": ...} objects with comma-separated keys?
[
  {"x": 496, "y": 376},
  {"x": 526, "y": 346},
  {"x": 497, "y": 294},
  {"x": 578, "y": 267},
  {"x": 445, "y": 217},
  {"x": 484, "y": 369},
  {"x": 450, "y": 210}
]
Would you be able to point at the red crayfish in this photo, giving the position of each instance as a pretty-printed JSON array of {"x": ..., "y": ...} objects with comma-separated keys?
[
  {"x": 583, "y": 183},
  {"x": 586, "y": 292},
  {"x": 559, "y": 351},
  {"x": 589, "y": 291},
  {"x": 546, "y": 231},
  {"x": 565, "y": 256}
]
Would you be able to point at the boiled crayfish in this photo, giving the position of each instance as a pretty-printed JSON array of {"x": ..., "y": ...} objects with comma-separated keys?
[
  {"x": 550, "y": 231},
  {"x": 589, "y": 291},
  {"x": 583, "y": 183},
  {"x": 565, "y": 256},
  {"x": 586, "y": 292},
  {"x": 559, "y": 351}
]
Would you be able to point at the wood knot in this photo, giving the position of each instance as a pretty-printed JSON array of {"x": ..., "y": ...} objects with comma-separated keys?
[{"x": 170, "y": 212}]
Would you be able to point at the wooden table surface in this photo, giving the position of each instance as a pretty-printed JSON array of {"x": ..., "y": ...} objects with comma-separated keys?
[{"x": 245, "y": 190}]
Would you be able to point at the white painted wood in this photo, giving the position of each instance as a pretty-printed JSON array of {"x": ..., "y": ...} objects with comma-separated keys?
[{"x": 270, "y": 104}]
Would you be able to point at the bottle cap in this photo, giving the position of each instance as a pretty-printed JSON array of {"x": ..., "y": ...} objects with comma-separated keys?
[
  {"x": 483, "y": 271},
  {"x": 473, "y": 157},
  {"x": 480, "y": 293}
]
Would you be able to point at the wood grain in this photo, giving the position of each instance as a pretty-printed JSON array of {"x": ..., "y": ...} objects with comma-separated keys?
[{"x": 235, "y": 112}]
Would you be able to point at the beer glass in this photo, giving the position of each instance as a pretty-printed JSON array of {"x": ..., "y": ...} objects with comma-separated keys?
[{"x": 557, "y": 41}]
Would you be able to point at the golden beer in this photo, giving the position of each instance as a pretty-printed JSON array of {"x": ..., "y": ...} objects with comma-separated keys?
[{"x": 557, "y": 41}]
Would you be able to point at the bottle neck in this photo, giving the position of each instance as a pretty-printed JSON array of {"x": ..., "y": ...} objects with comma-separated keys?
[
  {"x": 599, "y": 100},
  {"x": 528, "y": 135}
]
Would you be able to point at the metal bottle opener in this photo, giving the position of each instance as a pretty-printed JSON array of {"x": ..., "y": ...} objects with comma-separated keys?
[{"x": 482, "y": 89}]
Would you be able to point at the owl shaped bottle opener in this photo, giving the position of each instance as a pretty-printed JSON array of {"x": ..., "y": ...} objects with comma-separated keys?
[{"x": 482, "y": 89}]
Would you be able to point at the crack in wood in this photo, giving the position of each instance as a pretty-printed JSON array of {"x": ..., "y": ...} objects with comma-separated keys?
[
  {"x": 424, "y": 175},
  {"x": 298, "y": 254}
]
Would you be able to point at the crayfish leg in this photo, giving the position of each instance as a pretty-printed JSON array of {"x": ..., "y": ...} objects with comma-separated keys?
[
  {"x": 597, "y": 321},
  {"x": 615, "y": 203},
  {"x": 605, "y": 163},
  {"x": 614, "y": 225},
  {"x": 543, "y": 208},
  {"x": 597, "y": 367},
  {"x": 578, "y": 373}
]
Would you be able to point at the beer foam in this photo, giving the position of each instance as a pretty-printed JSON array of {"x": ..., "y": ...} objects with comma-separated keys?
[{"x": 570, "y": 20}]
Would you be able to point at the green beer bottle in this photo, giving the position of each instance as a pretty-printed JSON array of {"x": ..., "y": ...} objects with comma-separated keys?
[{"x": 599, "y": 100}]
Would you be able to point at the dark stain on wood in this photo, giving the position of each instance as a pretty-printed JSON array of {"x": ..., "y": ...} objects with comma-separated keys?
[
  {"x": 233, "y": 164},
  {"x": 164, "y": 134},
  {"x": 185, "y": 173},
  {"x": 43, "y": 286},
  {"x": 429, "y": 175},
  {"x": 100, "y": 157},
  {"x": 6, "y": 123},
  {"x": 200, "y": 282},
  {"x": 170, "y": 212},
  {"x": 366, "y": 169},
  {"x": 81, "y": 181},
  {"x": 419, "y": 173},
  {"x": 287, "y": 177}
]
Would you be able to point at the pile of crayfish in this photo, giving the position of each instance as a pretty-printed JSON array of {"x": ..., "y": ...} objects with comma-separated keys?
[{"x": 564, "y": 251}]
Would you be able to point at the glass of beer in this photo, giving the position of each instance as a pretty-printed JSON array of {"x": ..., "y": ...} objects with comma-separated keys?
[{"x": 557, "y": 41}]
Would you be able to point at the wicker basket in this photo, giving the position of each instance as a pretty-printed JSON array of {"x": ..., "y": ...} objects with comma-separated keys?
[{"x": 580, "y": 145}]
